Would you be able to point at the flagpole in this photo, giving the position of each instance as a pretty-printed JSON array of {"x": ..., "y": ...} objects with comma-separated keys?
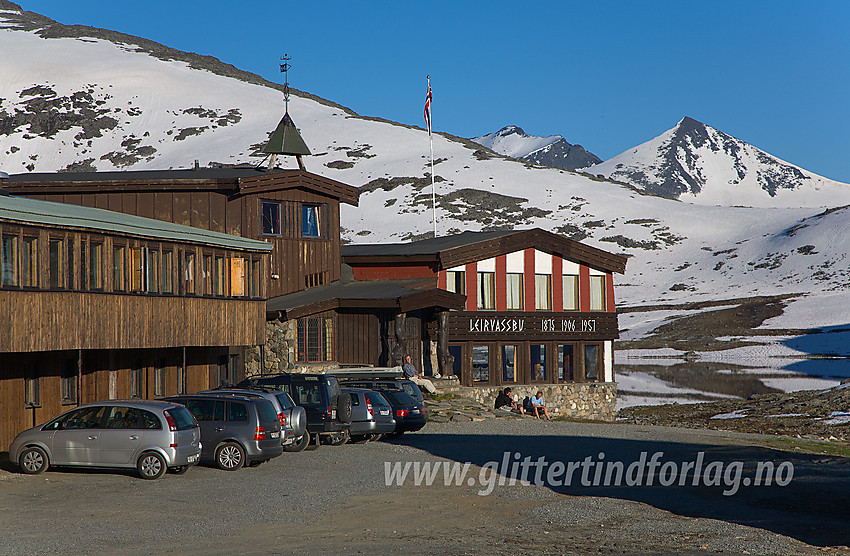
[{"x": 431, "y": 141}]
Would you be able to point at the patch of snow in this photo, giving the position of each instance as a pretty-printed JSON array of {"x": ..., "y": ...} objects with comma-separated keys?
[
  {"x": 737, "y": 414},
  {"x": 838, "y": 418}
]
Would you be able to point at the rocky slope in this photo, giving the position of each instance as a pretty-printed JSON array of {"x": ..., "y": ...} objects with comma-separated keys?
[{"x": 552, "y": 151}]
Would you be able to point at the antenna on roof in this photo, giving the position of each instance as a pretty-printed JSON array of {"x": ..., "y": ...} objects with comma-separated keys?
[{"x": 286, "y": 139}]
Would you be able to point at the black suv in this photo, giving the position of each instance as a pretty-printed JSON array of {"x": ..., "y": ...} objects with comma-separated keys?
[{"x": 328, "y": 412}]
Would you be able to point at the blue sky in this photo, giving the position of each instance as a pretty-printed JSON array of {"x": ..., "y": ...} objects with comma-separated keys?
[{"x": 608, "y": 75}]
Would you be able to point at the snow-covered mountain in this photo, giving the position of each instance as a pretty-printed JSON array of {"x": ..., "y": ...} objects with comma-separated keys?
[
  {"x": 552, "y": 151},
  {"x": 80, "y": 98},
  {"x": 696, "y": 163}
]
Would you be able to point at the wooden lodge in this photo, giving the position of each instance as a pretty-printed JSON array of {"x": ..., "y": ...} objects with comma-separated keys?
[
  {"x": 539, "y": 308},
  {"x": 95, "y": 304}
]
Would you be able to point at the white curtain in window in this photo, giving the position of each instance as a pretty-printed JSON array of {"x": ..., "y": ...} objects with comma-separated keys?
[
  {"x": 597, "y": 293},
  {"x": 543, "y": 292},
  {"x": 485, "y": 290},
  {"x": 570, "y": 292},
  {"x": 515, "y": 294}
]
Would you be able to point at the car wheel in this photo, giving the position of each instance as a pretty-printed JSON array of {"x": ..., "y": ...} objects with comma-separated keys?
[
  {"x": 178, "y": 470},
  {"x": 151, "y": 465},
  {"x": 230, "y": 456},
  {"x": 299, "y": 444},
  {"x": 33, "y": 460},
  {"x": 338, "y": 438},
  {"x": 343, "y": 408}
]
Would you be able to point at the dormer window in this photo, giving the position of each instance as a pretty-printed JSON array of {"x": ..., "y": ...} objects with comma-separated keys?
[{"x": 271, "y": 218}]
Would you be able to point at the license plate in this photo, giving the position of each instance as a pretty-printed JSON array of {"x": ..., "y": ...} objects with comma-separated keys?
[
  {"x": 192, "y": 459},
  {"x": 275, "y": 435},
  {"x": 333, "y": 414},
  {"x": 385, "y": 412},
  {"x": 415, "y": 411}
]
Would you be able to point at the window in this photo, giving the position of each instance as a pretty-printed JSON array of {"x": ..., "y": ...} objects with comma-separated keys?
[
  {"x": 29, "y": 263},
  {"x": 119, "y": 268},
  {"x": 32, "y": 386},
  {"x": 83, "y": 266},
  {"x": 208, "y": 261},
  {"x": 456, "y": 281},
  {"x": 137, "y": 269},
  {"x": 55, "y": 251},
  {"x": 310, "y": 221},
  {"x": 543, "y": 292},
  {"x": 256, "y": 277},
  {"x": 238, "y": 412},
  {"x": 538, "y": 362},
  {"x": 570, "y": 292},
  {"x": 219, "y": 277},
  {"x": 159, "y": 378},
  {"x": 9, "y": 260},
  {"x": 167, "y": 272},
  {"x": 316, "y": 339},
  {"x": 137, "y": 384},
  {"x": 271, "y": 218},
  {"x": 152, "y": 268},
  {"x": 565, "y": 363},
  {"x": 591, "y": 362},
  {"x": 237, "y": 277},
  {"x": 68, "y": 384},
  {"x": 95, "y": 266},
  {"x": 597, "y": 293},
  {"x": 187, "y": 273},
  {"x": 509, "y": 363},
  {"x": 70, "y": 261},
  {"x": 486, "y": 290},
  {"x": 481, "y": 363},
  {"x": 515, "y": 293}
]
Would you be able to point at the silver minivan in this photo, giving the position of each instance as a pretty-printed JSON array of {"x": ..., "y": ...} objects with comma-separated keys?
[{"x": 151, "y": 436}]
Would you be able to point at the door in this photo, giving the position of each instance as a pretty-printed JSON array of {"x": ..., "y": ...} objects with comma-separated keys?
[
  {"x": 77, "y": 440},
  {"x": 125, "y": 427},
  {"x": 210, "y": 416}
]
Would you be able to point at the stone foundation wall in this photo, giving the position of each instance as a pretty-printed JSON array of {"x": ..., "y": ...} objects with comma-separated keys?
[
  {"x": 280, "y": 352},
  {"x": 579, "y": 400}
]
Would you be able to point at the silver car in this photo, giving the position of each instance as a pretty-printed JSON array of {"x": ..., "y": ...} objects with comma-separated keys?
[
  {"x": 151, "y": 436},
  {"x": 371, "y": 415}
]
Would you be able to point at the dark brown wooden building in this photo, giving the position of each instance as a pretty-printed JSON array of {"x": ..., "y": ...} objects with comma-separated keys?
[
  {"x": 294, "y": 210},
  {"x": 539, "y": 307},
  {"x": 96, "y": 304}
]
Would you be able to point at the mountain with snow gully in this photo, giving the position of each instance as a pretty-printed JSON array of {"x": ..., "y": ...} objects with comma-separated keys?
[{"x": 696, "y": 163}]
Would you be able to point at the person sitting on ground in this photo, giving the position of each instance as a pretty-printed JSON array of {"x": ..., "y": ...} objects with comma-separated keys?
[
  {"x": 537, "y": 404},
  {"x": 410, "y": 373},
  {"x": 506, "y": 401}
]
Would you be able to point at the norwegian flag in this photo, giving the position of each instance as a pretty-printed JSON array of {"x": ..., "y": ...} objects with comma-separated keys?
[{"x": 428, "y": 107}]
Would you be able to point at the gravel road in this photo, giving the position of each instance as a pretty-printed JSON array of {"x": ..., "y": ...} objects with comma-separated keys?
[{"x": 335, "y": 499}]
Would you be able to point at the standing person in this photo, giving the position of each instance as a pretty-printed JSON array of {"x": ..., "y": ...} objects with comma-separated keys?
[
  {"x": 506, "y": 401},
  {"x": 537, "y": 404},
  {"x": 410, "y": 373}
]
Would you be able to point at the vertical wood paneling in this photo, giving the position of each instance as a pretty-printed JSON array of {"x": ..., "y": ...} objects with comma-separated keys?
[
  {"x": 471, "y": 287},
  {"x": 145, "y": 204},
  {"x": 217, "y": 212},
  {"x": 557, "y": 283},
  {"x": 182, "y": 202},
  {"x": 501, "y": 283},
  {"x": 609, "y": 293},
  {"x": 528, "y": 278},
  {"x": 583, "y": 288}
]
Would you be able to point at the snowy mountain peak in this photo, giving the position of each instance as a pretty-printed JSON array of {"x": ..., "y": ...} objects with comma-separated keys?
[
  {"x": 697, "y": 163},
  {"x": 553, "y": 150}
]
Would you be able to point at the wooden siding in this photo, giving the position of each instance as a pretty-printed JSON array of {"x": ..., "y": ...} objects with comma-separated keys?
[
  {"x": 359, "y": 338},
  {"x": 105, "y": 374},
  {"x": 487, "y": 326},
  {"x": 56, "y": 320},
  {"x": 235, "y": 213}
]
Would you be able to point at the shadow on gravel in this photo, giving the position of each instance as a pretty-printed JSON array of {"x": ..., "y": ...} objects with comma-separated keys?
[{"x": 813, "y": 507}]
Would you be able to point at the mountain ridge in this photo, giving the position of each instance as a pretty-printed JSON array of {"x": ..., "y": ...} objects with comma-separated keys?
[{"x": 552, "y": 151}]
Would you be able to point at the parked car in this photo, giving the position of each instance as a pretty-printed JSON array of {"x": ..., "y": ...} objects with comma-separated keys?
[
  {"x": 293, "y": 418},
  {"x": 405, "y": 385},
  {"x": 235, "y": 430},
  {"x": 371, "y": 414},
  {"x": 152, "y": 436},
  {"x": 328, "y": 412},
  {"x": 409, "y": 414}
]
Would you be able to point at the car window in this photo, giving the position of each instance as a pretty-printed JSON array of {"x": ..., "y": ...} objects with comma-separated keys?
[
  {"x": 408, "y": 389},
  {"x": 85, "y": 418},
  {"x": 377, "y": 399},
  {"x": 236, "y": 411},
  {"x": 355, "y": 399},
  {"x": 284, "y": 400},
  {"x": 265, "y": 409},
  {"x": 307, "y": 394},
  {"x": 120, "y": 417},
  {"x": 203, "y": 410},
  {"x": 182, "y": 418},
  {"x": 400, "y": 397}
]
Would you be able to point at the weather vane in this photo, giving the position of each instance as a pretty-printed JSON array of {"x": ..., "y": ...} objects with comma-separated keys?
[{"x": 284, "y": 69}]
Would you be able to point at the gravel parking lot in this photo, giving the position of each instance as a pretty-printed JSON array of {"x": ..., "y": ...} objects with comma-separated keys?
[{"x": 335, "y": 500}]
